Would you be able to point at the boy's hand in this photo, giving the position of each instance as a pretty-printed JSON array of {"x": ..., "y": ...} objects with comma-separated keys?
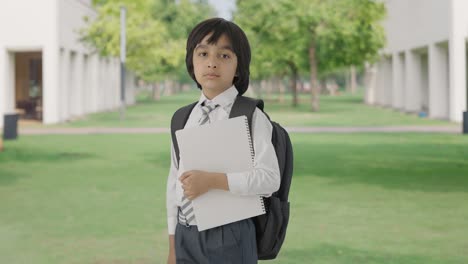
[
  {"x": 171, "y": 258},
  {"x": 196, "y": 183}
]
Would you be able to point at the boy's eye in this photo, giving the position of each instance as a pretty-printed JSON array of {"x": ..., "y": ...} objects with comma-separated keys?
[
  {"x": 225, "y": 56},
  {"x": 202, "y": 54}
]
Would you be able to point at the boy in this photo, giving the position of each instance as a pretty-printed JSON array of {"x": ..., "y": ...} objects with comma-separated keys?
[{"x": 218, "y": 60}]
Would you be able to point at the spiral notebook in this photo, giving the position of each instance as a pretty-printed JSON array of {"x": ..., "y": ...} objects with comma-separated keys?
[{"x": 222, "y": 146}]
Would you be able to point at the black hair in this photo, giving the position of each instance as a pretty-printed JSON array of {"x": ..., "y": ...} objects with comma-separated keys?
[{"x": 239, "y": 42}]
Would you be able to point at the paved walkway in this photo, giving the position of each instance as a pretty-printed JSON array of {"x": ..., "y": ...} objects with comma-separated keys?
[{"x": 143, "y": 130}]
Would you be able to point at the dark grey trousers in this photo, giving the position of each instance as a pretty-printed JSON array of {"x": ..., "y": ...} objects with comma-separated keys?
[{"x": 232, "y": 243}]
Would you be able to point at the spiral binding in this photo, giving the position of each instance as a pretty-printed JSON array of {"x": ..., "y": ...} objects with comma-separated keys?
[
  {"x": 252, "y": 151},
  {"x": 262, "y": 202},
  {"x": 252, "y": 155}
]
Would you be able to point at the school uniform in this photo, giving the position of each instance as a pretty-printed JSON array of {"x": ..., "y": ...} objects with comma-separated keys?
[{"x": 235, "y": 242}]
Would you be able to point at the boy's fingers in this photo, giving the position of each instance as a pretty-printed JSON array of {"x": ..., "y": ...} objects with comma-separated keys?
[
  {"x": 189, "y": 195},
  {"x": 184, "y": 180},
  {"x": 184, "y": 175}
]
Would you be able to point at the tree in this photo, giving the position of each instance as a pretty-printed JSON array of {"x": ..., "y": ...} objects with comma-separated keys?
[
  {"x": 156, "y": 34},
  {"x": 179, "y": 17},
  {"x": 273, "y": 34},
  {"x": 331, "y": 34},
  {"x": 145, "y": 35},
  {"x": 341, "y": 33}
]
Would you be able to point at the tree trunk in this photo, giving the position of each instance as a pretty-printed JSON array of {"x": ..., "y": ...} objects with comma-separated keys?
[
  {"x": 275, "y": 88},
  {"x": 264, "y": 89},
  {"x": 281, "y": 90},
  {"x": 348, "y": 81},
  {"x": 293, "y": 82},
  {"x": 168, "y": 88},
  {"x": 156, "y": 91},
  {"x": 177, "y": 87},
  {"x": 314, "y": 88},
  {"x": 256, "y": 89},
  {"x": 353, "y": 80},
  {"x": 269, "y": 88}
]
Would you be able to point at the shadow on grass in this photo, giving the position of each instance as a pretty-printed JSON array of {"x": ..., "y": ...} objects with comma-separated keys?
[
  {"x": 36, "y": 155},
  {"x": 422, "y": 167},
  {"x": 8, "y": 176},
  {"x": 334, "y": 254},
  {"x": 304, "y": 107},
  {"x": 160, "y": 158},
  {"x": 15, "y": 156}
]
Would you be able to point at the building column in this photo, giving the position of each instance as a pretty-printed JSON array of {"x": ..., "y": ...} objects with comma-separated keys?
[
  {"x": 110, "y": 90},
  {"x": 64, "y": 107},
  {"x": 110, "y": 83},
  {"x": 398, "y": 81},
  {"x": 94, "y": 82},
  {"x": 116, "y": 82},
  {"x": 51, "y": 91},
  {"x": 370, "y": 83},
  {"x": 424, "y": 81},
  {"x": 3, "y": 82},
  {"x": 101, "y": 87},
  {"x": 388, "y": 82},
  {"x": 7, "y": 83},
  {"x": 72, "y": 85},
  {"x": 380, "y": 82},
  {"x": 104, "y": 88},
  {"x": 78, "y": 71},
  {"x": 413, "y": 87},
  {"x": 438, "y": 82},
  {"x": 85, "y": 85},
  {"x": 457, "y": 60}
]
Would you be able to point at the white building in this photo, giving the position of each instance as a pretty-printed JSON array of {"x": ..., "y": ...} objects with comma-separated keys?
[
  {"x": 45, "y": 72},
  {"x": 423, "y": 67}
]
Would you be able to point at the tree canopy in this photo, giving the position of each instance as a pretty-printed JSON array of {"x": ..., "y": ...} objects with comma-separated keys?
[
  {"x": 314, "y": 36},
  {"x": 156, "y": 33}
]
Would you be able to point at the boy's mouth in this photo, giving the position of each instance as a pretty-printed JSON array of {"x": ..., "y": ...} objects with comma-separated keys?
[{"x": 211, "y": 75}]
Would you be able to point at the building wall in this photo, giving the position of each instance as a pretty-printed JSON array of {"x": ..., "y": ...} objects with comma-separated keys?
[
  {"x": 76, "y": 81},
  {"x": 70, "y": 17},
  {"x": 414, "y": 24},
  {"x": 27, "y": 24},
  {"x": 427, "y": 40},
  {"x": 17, "y": 35},
  {"x": 457, "y": 59}
]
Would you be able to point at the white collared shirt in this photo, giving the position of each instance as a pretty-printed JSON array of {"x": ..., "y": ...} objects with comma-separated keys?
[{"x": 264, "y": 179}]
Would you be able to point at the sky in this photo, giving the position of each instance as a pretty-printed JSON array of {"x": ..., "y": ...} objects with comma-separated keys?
[{"x": 224, "y": 7}]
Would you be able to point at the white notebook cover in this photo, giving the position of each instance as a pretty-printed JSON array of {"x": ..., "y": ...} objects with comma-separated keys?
[{"x": 222, "y": 146}]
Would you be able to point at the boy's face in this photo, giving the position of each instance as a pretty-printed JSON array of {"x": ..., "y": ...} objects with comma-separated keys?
[{"x": 214, "y": 65}]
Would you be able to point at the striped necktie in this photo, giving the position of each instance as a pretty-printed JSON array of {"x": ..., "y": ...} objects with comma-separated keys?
[{"x": 186, "y": 214}]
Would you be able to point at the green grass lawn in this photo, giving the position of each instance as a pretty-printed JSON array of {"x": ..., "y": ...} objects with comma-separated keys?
[
  {"x": 344, "y": 110},
  {"x": 360, "y": 198}
]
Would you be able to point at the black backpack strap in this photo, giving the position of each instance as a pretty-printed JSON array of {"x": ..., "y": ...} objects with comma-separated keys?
[
  {"x": 245, "y": 106},
  {"x": 178, "y": 121},
  {"x": 242, "y": 106}
]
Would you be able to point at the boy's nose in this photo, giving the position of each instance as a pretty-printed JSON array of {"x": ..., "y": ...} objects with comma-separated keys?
[{"x": 211, "y": 63}]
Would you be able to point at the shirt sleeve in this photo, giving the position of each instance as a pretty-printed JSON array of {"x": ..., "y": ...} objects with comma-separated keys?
[
  {"x": 171, "y": 194},
  {"x": 265, "y": 178}
]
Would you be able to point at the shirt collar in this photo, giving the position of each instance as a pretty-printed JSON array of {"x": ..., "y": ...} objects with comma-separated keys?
[{"x": 223, "y": 99}]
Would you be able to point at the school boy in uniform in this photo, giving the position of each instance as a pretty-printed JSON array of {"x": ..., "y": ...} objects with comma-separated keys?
[{"x": 218, "y": 60}]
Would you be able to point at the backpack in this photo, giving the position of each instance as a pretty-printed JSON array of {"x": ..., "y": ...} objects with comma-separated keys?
[{"x": 271, "y": 226}]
